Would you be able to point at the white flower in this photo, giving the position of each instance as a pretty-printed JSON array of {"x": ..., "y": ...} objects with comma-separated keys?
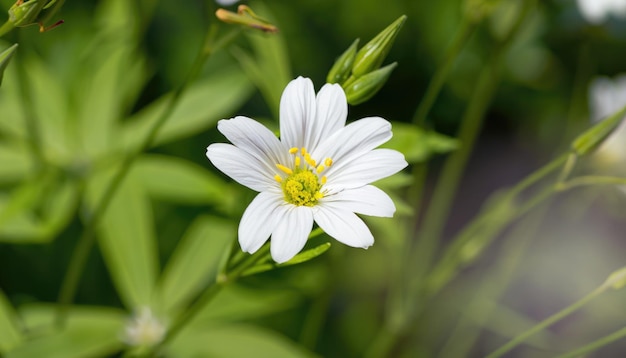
[
  {"x": 606, "y": 97},
  {"x": 144, "y": 329},
  {"x": 596, "y": 11},
  {"x": 319, "y": 170}
]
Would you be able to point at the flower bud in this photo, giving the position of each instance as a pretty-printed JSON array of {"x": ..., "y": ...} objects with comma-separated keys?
[
  {"x": 31, "y": 12},
  {"x": 340, "y": 71},
  {"x": 366, "y": 86},
  {"x": 5, "y": 57},
  {"x": 617, "y": 279},
  {"x": 590, "y": 140},
  {"x": 372, "y": 55},
  {"x": 245, "y": 17}
]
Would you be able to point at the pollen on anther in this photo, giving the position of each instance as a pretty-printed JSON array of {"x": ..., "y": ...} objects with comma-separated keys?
[
  {"x": 297, "y": 161},
  {"x": 328, "y": 162},
  {"x": 278, "y": 178},
  {"x": 320, "y": 168},
  {"x": 319, "y": 195},
  {"x": 284, "y": 169},
  {"x": 293, "y": 150},
  {"x": 323, "y": 180}
]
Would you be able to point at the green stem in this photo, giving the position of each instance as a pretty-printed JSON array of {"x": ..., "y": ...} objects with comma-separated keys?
[
  {"x": 87, "y": 239},
  {"x": 590, "y": 180},
  {"x": 445, "y": 191},
  {"x": 465, "y": 334},
  {"x": 192, "y": 312},
  {"x": 547, "y": 322},
  {"x": 446, "y": 269},
  {"x": 466, "y": 29},
  {"x": 582, "y": 351}
]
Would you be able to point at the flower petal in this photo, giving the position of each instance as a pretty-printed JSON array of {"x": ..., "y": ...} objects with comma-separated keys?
[
  {"x": 254, "y": 138},
  {"x": 372, "y": 166},
  {"x": 291, "y": 232},
  {"x": 259, "y": 220},
  {"x": 367, "y": 200},
  {"x": 297, "y": 112},
  {"x": 332, "y": 111},
  {"x": 241, "y": 166},
  {"x": 344, "y": 226},
  {"x": 354, "y": 140}
]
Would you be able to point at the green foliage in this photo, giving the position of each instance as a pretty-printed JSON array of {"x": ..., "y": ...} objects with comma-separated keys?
[
  {"x": 5, "y": 57},
  {"x": 417, "y": 144},
  {"x": 10, "y": 335},
  {"x": 90, "y": 331}
]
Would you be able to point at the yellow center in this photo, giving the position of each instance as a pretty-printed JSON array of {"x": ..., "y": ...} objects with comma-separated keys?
[{"x": 302, "y": 185}]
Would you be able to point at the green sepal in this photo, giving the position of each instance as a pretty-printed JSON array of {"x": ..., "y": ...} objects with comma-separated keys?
[
  {"x": 372, "y": 55},
  {"x": 365, "y": 87},
  {"x": 342, "y": 67},
  {"x": 5, "y": 57},
  {"x": 589, "y": 141},
  {"x": 304, "y": 256}
]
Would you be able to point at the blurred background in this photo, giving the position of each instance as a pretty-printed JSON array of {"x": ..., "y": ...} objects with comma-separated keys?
[{"x": 333, "y": 306}]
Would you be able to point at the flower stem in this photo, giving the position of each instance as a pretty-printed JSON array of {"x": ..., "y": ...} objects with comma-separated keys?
[
  {"x": 547, "y": 322},
  {"x": 582, "y": 351},
  {"x": 482, "y": 223},
  {"x": 445, "y": 191},
  {"x": 87, "y": 239},
  {"x": 466, "y": 29}
]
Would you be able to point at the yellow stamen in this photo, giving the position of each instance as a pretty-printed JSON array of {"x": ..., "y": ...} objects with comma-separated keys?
[
  {"x": 320, "y": 168},
  {"x": 328, "y": 162},
  {"x": 309, "y": 160},
  {"x": 284, "y": 169},
  {"x": 297, "y": 161},
  {"x": 318, "y": 195},
  {"x": 293, "y": 150},
  {"x": 278, "y": 178},
  {"x": 323, "y": 180},
  {"x": 303, "y": 151}
]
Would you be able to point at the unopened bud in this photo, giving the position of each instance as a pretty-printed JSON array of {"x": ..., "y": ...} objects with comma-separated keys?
[
  {"x": 245, "y": 17},
  {"x": 367, "y": 85},
  {"x": 340, "y": 71},
  {"x": 617, "y": 279},
  {"x": 5, "y": 57},
  {"x": 372, "y": 55},
  {"x": 590, "y": 140},
  {"x": 32, "y": 12}
]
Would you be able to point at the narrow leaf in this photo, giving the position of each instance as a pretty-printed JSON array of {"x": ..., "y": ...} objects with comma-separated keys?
[
  {"x": 10, "y": 335},
  {"x": 127, "y": 240},
  {"x": 195, "y": 262}
]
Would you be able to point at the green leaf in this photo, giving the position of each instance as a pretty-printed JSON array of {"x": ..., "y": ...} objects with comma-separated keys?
[
  {"x": 234, "y": 341},
  {"x": 196, "y": 260},
  {"x": 127, "y": 240},
  {"x": 10, "y": 335},
  {"x": 201, "y": 106},
  {"x": 5, "y": 57},
  {"x": 304, "y": 256},
  {"x": 16, "y": 160},
  {"x": 89, "y": 332},
  {"x": 417, "y": 144},
  {"x": 235, "y": 302},
  {"x": 269, "y": 69},
  {"x": 50, "y": 108},
  {"x": 181, "y": 181},
  {"x": 105, "y": 96}
]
